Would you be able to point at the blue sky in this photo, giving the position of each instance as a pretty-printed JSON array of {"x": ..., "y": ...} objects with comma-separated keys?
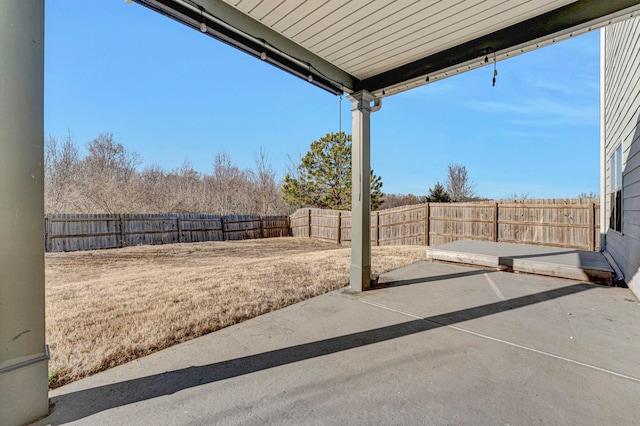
[{"x": 171, "y": 94}]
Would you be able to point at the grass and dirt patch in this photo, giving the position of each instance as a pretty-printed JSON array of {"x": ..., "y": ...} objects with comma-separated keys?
[{"x": 108, "y": 307}]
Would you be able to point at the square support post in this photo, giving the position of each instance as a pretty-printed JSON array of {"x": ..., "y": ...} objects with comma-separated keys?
[
  {"x": 360, "y": 271},
  {"x": 23, "y": 355}
]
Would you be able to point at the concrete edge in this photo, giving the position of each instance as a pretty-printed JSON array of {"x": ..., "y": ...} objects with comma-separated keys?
[{"x": 461, "y": 257}]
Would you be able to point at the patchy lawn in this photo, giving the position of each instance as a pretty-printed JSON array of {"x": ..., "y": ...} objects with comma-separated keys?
[{"x": 108, "y": 307}]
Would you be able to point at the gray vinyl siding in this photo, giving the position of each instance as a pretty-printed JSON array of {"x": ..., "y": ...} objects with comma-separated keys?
[{"x": 622, "y": 126}]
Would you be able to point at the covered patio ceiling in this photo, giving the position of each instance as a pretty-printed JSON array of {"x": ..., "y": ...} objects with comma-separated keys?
[{"x": 388, "y": 46}]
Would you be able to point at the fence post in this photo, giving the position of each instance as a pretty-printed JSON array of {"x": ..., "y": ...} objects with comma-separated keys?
[
  {"x": 163, "y": 233},
  {"x": 427, "y": 212},
  {"x": 121, "y": 230},
  {"x": 179, "y": 228},
  {"x": 377, "y": 228},
  {"x": 289, "y": 228},
  {"x": 224, "y": 236},
  {"x": 339, "y": 227},
  {"x": 47, "y": 233},
  {"x": 496, "y": 229},
  {"x": 592, "y": 227},
  {"x": 309, "y": 219},
  {"x": 261, "y": 228}
]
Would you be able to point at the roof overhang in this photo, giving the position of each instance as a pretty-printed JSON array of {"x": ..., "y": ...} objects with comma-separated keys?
[{"x": 388, "y": 47}]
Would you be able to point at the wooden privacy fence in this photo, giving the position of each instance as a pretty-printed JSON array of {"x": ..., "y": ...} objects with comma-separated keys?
[
  {"x": 570, "y": 223},
  {"x": 72, "y": 232}
]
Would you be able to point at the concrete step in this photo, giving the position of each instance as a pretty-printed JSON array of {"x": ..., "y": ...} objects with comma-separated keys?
[{"x": 574, "y": 264}]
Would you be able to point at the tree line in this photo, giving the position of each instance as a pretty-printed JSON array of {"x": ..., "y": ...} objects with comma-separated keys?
[{"x": 107, "y": 180}]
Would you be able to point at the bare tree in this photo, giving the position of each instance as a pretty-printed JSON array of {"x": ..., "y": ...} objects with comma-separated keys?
[
  {"x": 230, "y": 187},
  {"x": 183, "y": 190},
  {"x": 588, "y": 195},
  {"x": 153, "y": 184},
  {"x": 187, "y": 190},
  {"x": 107, "y": 173},
  {"x": 61, "y": 168},
  {"x": 515, "y": 197},
  {"x": 458, "y": 185},
  {"x": 266, "y": 190}
]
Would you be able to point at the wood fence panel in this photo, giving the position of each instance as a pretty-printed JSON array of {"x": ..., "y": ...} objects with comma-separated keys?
[
  {"x": 345, "y": 221},
  {"x": 403, "y": 226},
  {"x": 240, "y": 227},
  {"x": 71, "y": 232},
  {"x": 275, "y": 226},
  {"x": 147, "y": 229},
  {"x": 562, "y": 225},
  {"x": 299, "y": 223},
  {"x": 324, "y": 224},
  {"x": 455, "y": 221},
  {"x": 200, "y": 227}
]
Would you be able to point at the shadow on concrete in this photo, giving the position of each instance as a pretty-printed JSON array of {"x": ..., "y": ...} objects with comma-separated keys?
[
  {"x": 77, "y": 405},
  {"x": 528, "y": 256},
  {"x": 422, "y": 280},
  {"x": 585, "y": 258}
]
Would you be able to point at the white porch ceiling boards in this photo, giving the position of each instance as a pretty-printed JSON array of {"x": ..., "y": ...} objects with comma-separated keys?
[
  {"x": 366, "y": 37},
  {"x": 391, "y": 45}
]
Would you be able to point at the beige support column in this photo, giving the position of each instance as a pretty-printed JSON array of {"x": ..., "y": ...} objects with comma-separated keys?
[
  {"x": 360, "y": 271},
  {"x": 23, "y": 358}
]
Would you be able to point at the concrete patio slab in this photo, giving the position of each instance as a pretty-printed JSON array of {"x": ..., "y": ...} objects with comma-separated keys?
[
  {"x": 552, "y": 261},
  {"x": 434, "y": 343}
]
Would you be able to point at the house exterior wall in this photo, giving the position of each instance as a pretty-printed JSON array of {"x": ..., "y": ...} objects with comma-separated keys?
[{"x": 621, "y": 128}]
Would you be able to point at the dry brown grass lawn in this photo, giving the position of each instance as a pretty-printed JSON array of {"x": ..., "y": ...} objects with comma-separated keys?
[{"x": 108, "y": 307}]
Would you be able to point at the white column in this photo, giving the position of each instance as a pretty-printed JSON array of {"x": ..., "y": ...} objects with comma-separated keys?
[
  {"x": 23, "y": 361},
  {"x": 360, "y": 271}
]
